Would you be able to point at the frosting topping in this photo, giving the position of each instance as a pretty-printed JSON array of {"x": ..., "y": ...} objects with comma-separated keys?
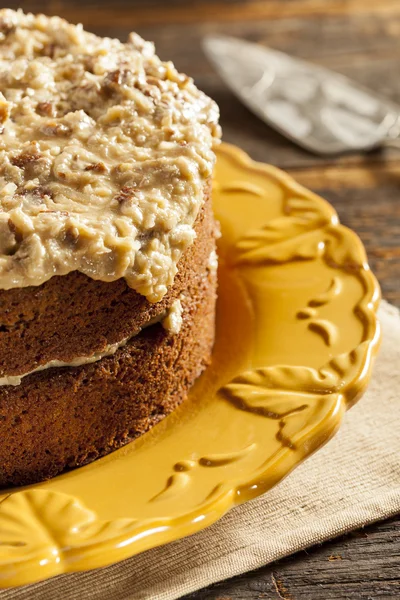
[{"x": 105, "y": 151}]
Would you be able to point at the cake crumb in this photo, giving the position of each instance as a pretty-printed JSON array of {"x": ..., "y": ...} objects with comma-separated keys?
[
  {"x": 213, "y": 262},
  {"x": 173, "y": 321}
]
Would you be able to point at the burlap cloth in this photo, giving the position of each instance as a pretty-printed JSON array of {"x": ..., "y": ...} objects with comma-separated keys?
[{"x": 352, "y": 481}]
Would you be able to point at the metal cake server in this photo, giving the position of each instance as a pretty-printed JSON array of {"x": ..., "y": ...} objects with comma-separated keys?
[{"x": 318, "y": 109}]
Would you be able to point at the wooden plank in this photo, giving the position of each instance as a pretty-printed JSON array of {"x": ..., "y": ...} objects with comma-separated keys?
[
  {"x": 97, "y": 15},
  {"x": 367, "y": 199},
  {"x": 371, "y": 174},
  {"x": 360, "y": 38},
  {"x": 374, "y": 214},
  {"x": 363, "y": 565}
]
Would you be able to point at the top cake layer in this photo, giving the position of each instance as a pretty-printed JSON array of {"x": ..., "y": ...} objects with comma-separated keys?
[{"x": 104, "y": 155}]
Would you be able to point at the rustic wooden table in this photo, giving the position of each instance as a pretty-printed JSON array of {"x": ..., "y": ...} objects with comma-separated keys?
[{"x": 360, "y": 38}]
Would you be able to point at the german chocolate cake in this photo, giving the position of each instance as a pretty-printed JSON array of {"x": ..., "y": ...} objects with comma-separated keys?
[{"x": 107, "y": 243}]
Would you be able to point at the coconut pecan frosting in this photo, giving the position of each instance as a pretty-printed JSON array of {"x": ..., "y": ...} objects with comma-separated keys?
[{"x": 105, "y": 151}]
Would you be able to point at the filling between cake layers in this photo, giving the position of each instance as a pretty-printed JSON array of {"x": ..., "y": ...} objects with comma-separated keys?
[
  {"x": 171, "y": 320},
  {"x": 104, "y": 155}
]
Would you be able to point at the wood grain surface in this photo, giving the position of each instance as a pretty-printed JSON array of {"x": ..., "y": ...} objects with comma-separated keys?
[{"x": 361, "y": 39}]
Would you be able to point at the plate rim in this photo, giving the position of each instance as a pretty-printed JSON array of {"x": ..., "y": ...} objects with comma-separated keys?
[{"x": 25, "y": 570}]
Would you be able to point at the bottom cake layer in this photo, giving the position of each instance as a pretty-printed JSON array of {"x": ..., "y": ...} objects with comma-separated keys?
[{"x": 66, "y": 417}]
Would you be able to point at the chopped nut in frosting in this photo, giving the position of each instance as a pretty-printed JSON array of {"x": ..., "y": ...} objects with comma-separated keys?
[{"x": 105, "y": 152}]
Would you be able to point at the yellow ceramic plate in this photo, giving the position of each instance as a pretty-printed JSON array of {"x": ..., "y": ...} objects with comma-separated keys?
[{"x": 296, "y": 333}]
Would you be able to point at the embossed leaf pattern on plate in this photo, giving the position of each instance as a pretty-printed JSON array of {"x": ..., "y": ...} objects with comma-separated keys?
[
  {"x": 182, "y": 476},
  {"x": 52, "y": 526}
]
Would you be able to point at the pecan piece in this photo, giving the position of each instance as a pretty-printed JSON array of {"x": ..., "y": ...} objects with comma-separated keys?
[
  {"x": 97, "y": 167},
  {"x": 25, "y": 158},
  {"x": 114, "y": 79},
  {"x": 56, "y": 130},
  {"x": 125, "y": 193},
  {"x": 39, "y": 192},
  {"x": 4, "y": 109},
  {"x": 15, "y": 231},
  {"x": 6, "y": 27},
  {"x": 49, "y": 50},
  {"x": 46, "y": 109},
  {"x": 71, "y": 235}
]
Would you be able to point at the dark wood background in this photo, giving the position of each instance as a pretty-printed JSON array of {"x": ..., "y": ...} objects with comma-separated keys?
[{"x": 360, "y": 38}]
